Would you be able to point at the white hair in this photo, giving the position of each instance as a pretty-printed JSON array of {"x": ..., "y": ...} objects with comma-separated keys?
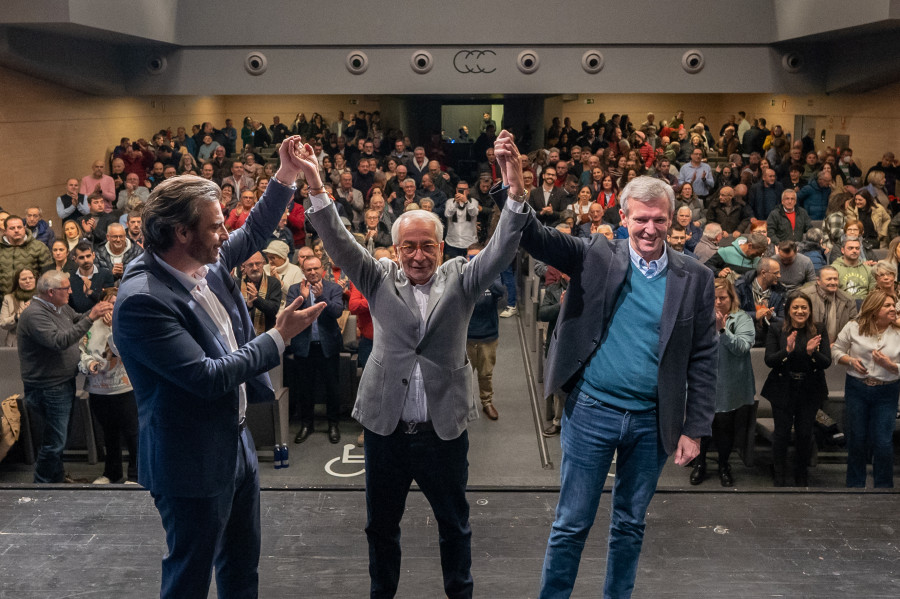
[
  {"x": 647, "y": 189},
  {"x": 421, "y": 215}
]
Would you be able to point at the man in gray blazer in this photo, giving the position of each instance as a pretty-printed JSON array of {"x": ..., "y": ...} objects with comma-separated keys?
[
  {"x": 635, "y": 349},
  {"x": 415, "y": 397}
]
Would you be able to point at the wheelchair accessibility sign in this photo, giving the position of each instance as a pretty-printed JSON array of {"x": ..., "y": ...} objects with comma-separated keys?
[{"x": 347, "y": 464}]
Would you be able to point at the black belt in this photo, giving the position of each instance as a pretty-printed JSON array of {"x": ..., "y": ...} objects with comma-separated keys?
[
  {"x": 797, "y": 376},
  {"x": 413, "y": 428}
]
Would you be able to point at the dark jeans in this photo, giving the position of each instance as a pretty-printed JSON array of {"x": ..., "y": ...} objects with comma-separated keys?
[
  {"x": 869, "y": 417},
  {"x": 591, "y": 433},
  {"x": 441, "y": 469},
  {"x": 314, "y": 376},
  {"x": 117, "y": 415},
  {"x": 453, "y": 251},
  {"x": 508, "y": 278},
  {"x": 798, "y": 411},
  {"x": 722, "y": 436},
  {"x": 54, "y": 405},
  {"x": 220, "y": 531}
]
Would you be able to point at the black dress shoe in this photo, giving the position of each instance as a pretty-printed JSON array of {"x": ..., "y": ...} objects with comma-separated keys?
[
  {"x": 334, "y": 433},
  {"x": 698, "y": 474},
  {"x": 303, "y": 433},
  {"x": 552, "y": 430},
  {"x": 725, "y": 477}
]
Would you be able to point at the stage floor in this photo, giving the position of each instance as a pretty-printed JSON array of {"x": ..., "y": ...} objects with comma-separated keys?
[{"x": 80, "y": 542}]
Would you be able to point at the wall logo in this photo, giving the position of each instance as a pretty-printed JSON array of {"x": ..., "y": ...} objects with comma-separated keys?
[{"x": 474, "y": 61}]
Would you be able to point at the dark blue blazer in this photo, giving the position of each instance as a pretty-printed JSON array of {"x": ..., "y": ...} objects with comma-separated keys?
[
  {"x": 185, "y": 379},
  {"x": 687, "y": 338},
  {"x": 329, "y": 331}
]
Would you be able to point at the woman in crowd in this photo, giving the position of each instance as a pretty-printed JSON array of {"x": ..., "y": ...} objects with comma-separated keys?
[
  {"x": 618, "y": 168},
  {"x": 326, "y": 167},
  {"x": 852, "y": 228},
  {"x": 340, "y": 167},
  {"x": 581, "y": 205},
  {"x": 59, "y": 251},
  {"x": 111, "y": 398},
  {"x": 251, "y": 167},
  {"x": 317, "y": 127},
  {"x": 875, "y": 187},
  {"x": 269, "y": 170},
  {"x": 798, "y": 352},
  {"x": 187, "y": 165},
  {"x": 894, "y": 253},
  {"x": 886, "y": 277},
  {"x": 296, "y": 221},
  {"x": 873, "y": 218},
  {"x": 686, "y": 197},
  {"x": 389, "y": 168},
  {"x": 238, "y": 216},
  {"x": 839, "y": 205},
  {"x": 870, "y": 349},
  {"x": 15, "y": 302},
  {"x": 608, "y": 195},
  {"x": 247, "y": 132},
  {"x": 735, "y": 385},
  {"x": 596, "y": 182},
  {"x": 725, "y": 177},
  {"x": 73, "y": 234},
  {"x": 629, "y": 174}
]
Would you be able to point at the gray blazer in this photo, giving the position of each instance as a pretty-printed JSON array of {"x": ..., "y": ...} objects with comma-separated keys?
[
  {"x": 687, "y": 338},
  {"x": 440, "y": 350}
]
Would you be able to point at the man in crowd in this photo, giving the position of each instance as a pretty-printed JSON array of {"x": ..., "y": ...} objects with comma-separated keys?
[
  {"x": 698, "y": 174},
  {"x": 595, "y": 221},
  {"x": 394, "y": 186},
  {"x": 117, "y": 252},
  {"x": 239, "y": 180},
  {"x": 362, "y": 178},
  {"x": 762, "y": 296},
  {"x": 830, "y": 305},
  {"x": 739, "y": 257},
  {"x": 788, "y": 221},
  {"x": 709, "y": 242},
  {"x": 461, "y": 214},
  {"x": 855, "y": 276},
  {"x": 765, "y": 194},
  {"x": 38, "y": 227},
  {"x": 417, "y": 165},
  {"x": 133, "y": 194},
  {"x": 95, "y": 222},
  {"x": 350, "y": 198},
  {"x": 428, "y": 190},
  {"x": 676, "y": 239},
  {"x": 796, "y": 269},
  {"x": 72, "y": 204},
  {"x": 186, "y": 339},
  {"x": 814, "y": 196},
  {"x": 49, "y": 332},
  {"x": 18, "y": 249},
  {"x": 133, "y": 230},
  {"x": 732, "y": 213},
  {"x": 221, "y": 165},
  {"x": 315, "y": 352},
  {"x": 99, "y": 183},
  {"x": 482, "y": 338},
  {"x": 627, "y": 298},
  {"x": 415, "y": 395},
  {"x": 88, "y": 280},
  {"x": 547, "y": 199}
]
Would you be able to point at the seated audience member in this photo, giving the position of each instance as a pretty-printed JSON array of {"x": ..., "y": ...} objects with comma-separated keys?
[
  {"x": 873, "y": 218},
  {"x": 38, "y": 227},
  {"x": 483, "y": 336},
  {"x": 814, "y": 196},
  {"x": 262, "y": 293},
  {"x": 761, "y": 296},
  {"x": 88, "y": 280},
  {"x": 48, "y": 335},
  {"x": 733, "y": 214},
  {"x": 112, "y": 398},
  {"x": 239, "y": 181},
  {"x": 709, "y": 242},
  {"x": 72, "y": 234},
  {"x": 796, "y": 269},
  {"x": 72, "y": 204},
  {"x": 595, "y": 221},
  {"x": 735, "y": 385},
  {"x": 683, "y": 216},
  {"x": 812, "y": 247},
  {"x": 377, "y": 234},
  {"x": 18, "y": 249},
  {"x": 98, "y": 183},
  {"x": 279, "y": 267},
  {"x": 687, "y": 197},
  {"x": 429, "y": 190},
  {"x": 15, "y": 302},
  {"x": 133, "y": 195},
  {"x": 117, "y": 252},
  {"x": 855, "y": 276},
  {"x": 238, "y": 216},
  {"x": 830, "y": 305},
  {"x": 788, "y": 221},
  {"x": 676, "y": 239},
  {"x": 739, "y": 257},
  {"x": 221, "y": 166},
  {"x": 133, "y": 228},
  {"x": 886, "y": 277},
  {"x": 461, "y": 215},
  {"x": 95, "y": 222}
]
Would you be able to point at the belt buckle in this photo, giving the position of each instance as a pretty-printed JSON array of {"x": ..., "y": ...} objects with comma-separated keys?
[
  {"x": 871, "y": 382},
  {"x": 411, "y": 428}
]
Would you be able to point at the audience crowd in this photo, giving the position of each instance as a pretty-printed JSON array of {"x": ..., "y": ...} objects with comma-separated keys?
[{"x": 804, "y": 242}]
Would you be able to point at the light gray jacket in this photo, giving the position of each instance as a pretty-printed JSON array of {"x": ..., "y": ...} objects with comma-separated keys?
[{"x": 440, "y": 350}]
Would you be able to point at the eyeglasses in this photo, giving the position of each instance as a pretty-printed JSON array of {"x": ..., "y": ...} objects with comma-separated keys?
[
  {"x": 66, "y": 288},
  {"x": 428, "y": 248}
]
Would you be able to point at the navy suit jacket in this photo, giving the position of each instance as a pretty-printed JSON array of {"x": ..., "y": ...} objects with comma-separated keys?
[
  {"x": 186, "y": 381},
  {"x": 687, "y": 338},
  {"x": 329, "y": 331}
]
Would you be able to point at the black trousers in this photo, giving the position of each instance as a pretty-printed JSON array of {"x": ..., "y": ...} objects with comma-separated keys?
[
  {"x": 722, "y": 436},
  {"x": 314, "y": 376},
  {"x": 117, "y": 415},
  {"x": 797, "y": 411}
]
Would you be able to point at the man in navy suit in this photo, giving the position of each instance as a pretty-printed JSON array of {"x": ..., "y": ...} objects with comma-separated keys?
[
  {"x": 189, "y": 345},
  {"x": 635, "y": 349},
  {"x": 317, "y": 351}
]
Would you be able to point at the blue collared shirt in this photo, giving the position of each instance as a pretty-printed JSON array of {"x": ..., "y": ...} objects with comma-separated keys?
[{"x": 651, "y": 269}]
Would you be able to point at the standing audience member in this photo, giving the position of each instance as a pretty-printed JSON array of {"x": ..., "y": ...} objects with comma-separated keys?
[
  {"x": 798, "y": 352},
  {"x": 89, "y": 281},
  {"x": 483, "y": 337},
  {"x": 100, "y": 184},
  {"x": 830, "y": 305},
  {"x": 856, "y": 279},
  {"x": 735, "y": 385},
  {"x": 117, "y": 252},
  {"x": 796, "y": 269},
  {"x": 72, "y": 204},
  {"x": 261, "y": 292},
  {"x": 15, "y": 302},
  {"x": 870, "y": 349},
  {"x": 111, "y": 397},
  {"x": 761, "y": 296},
  {"x": 286, "y": 272},
  {"x": 49, "y": 333},
  {"x": 38, "y": 227},
  {"x": 548, "y": 312},
  {"x": 788, "y": 221},
  {"x": 709, "y": 242},
  {"x": 461, "y": 214},
  {"x": 18, "y": 249}
]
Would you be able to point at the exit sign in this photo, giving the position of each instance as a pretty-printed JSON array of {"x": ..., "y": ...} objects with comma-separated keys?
[{"x": 588, "y": 100}]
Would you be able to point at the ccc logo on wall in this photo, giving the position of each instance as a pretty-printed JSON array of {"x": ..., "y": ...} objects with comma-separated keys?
[{"x": 474, "y": 61}]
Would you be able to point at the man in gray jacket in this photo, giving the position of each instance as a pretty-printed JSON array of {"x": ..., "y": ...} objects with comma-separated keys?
[
  {"x": 49, "y": 331},
  {"x": 415, "y": 397}
]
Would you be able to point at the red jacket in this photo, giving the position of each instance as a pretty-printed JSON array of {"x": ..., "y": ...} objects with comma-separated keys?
[
  {"x": 359, "y": 306},
  {"x": 296, "y": 223}
]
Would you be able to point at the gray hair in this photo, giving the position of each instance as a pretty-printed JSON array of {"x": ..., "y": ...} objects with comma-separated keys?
[
  {"x": 646, "y": 189},
  {"x": 51, "y": 280},
  {"x": 420, "y": 215},
  {"x": 884, "y": 267},
  {"x": 814, "y": 235},
  {"x": 711, "y": 230},
  {"x": 758, "y": 241},
  {"x": 175, "y": 203},
  {"x": 606, "y": 227}
]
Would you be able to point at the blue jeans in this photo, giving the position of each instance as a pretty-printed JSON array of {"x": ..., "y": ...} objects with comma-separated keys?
[
  {"x": 441, "y": 469},
  {"x": 508, "y": 278},
  {"x": 591, "y": 433},
  {"x": 54, "y": 405},
  {"x": 869, "y": 417}
]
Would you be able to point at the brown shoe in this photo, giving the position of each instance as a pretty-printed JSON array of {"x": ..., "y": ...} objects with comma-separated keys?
[
  {"x": 552, "y": 430},
  {"x": 491, "y": 411}
]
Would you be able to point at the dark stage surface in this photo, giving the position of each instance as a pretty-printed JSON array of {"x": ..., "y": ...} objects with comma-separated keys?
[{"x": 82, "y": 542}]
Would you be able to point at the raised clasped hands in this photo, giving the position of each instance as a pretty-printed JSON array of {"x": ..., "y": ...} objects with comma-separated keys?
[
  {"x": 296, "y": 158},
  {"x": 507, "y": 155}
]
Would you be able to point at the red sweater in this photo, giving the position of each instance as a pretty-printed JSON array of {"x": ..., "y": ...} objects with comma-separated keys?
[{"x": 360, "y": 307}]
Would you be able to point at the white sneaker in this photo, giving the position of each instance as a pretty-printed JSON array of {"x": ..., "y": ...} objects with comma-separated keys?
[
  {"x": 510, "y": 311},
  {"x": 101, "y": 480},
  {"x": 130, "y": 482}
]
